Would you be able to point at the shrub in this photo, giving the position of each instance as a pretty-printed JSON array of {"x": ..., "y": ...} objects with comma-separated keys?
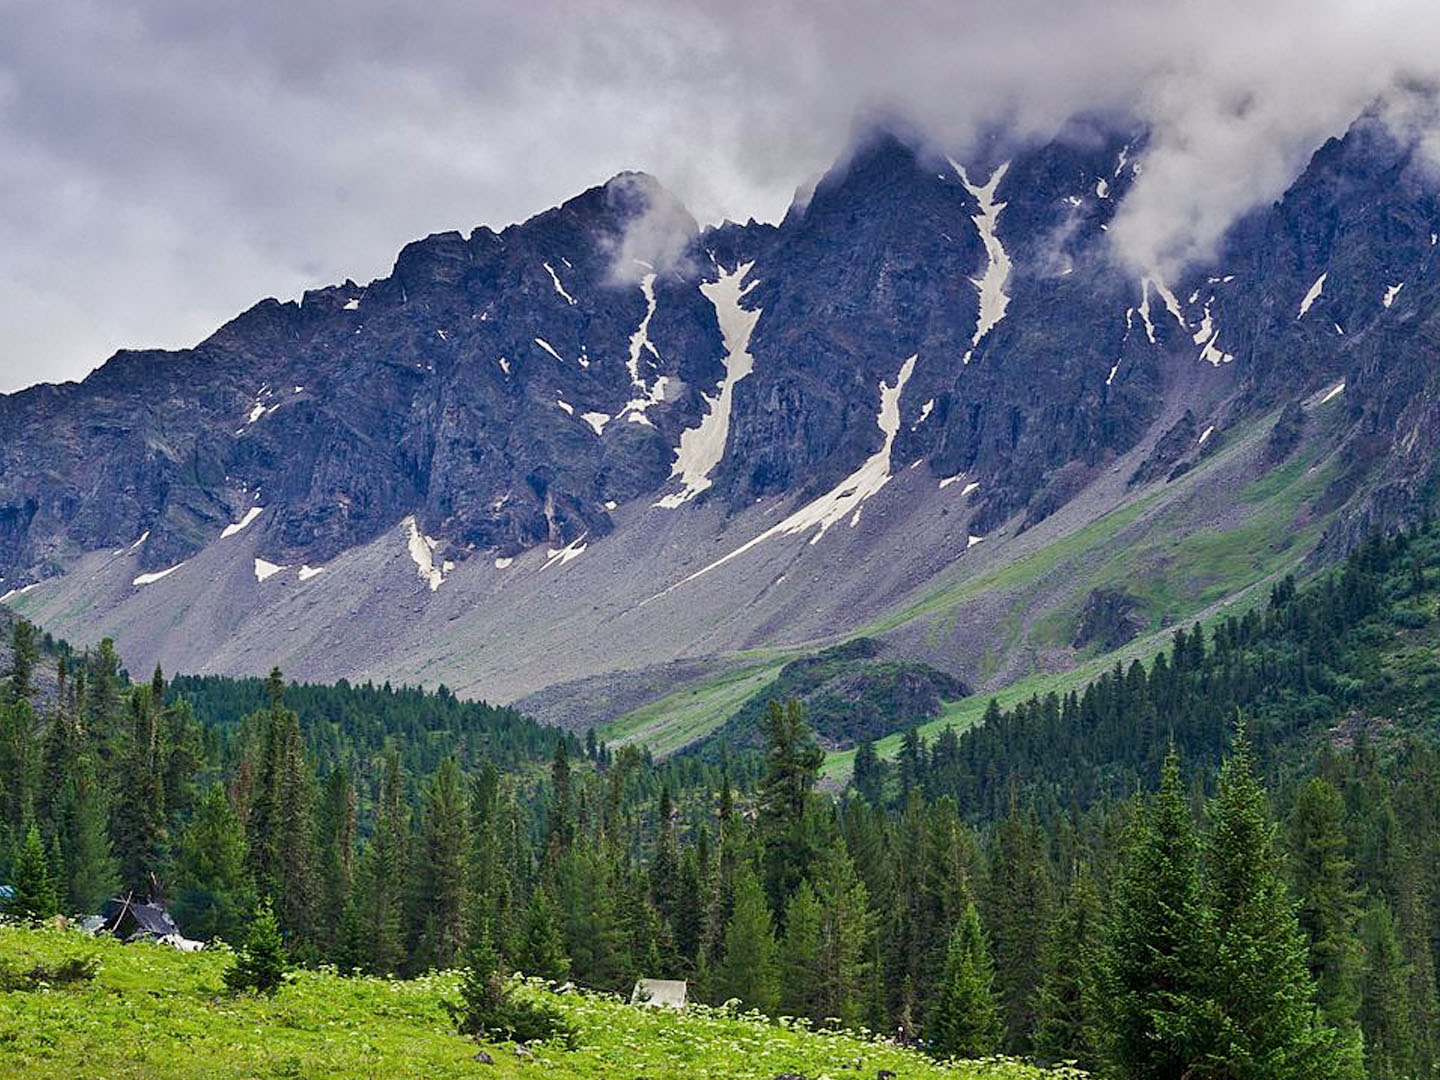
[
  {"x": 260, "y": 963},
  {"x": 490, "y": 1009}
]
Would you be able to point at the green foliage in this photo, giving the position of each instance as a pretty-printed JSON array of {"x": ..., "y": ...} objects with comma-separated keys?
[
  {"x": 489, "y": 1008},
  {"x": 153, "y": 1014},
  {"x": 748, "y": 969},
  {"x": 260, "y": 963},
  {"x": 35, "y": 897},
  {"x": 965, "y": 1020},
  {"x": 211, "y": 885}
]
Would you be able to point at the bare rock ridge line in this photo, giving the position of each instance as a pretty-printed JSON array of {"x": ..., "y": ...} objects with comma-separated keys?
[{"x": 528, "y": 440}]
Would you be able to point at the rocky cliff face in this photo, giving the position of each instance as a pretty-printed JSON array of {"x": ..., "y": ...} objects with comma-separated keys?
[{"x": 503, "y": 392}]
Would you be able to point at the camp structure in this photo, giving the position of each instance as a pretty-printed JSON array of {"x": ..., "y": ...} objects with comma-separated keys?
[
  {"x": 131, "y": 920},
  {"x": 667, "y": 992}
]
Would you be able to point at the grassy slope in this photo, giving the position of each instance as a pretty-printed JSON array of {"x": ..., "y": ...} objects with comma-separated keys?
[
  {"x": 157, "y": 1014},
  {"x": 1180, "y": 569}
]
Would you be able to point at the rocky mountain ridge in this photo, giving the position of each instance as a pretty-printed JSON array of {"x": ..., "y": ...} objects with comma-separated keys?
[{"x": 755, "y": 436}]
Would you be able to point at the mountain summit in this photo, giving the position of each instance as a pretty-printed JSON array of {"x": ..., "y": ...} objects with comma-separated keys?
[{"x": 926, "y": 407}]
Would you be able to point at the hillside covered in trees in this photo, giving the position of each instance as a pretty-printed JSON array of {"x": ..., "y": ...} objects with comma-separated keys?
[{"x": 1099, "y": 878}]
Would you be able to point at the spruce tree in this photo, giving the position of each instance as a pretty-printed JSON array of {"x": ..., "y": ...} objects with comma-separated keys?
[
  {"x": 1328, "y": 910},
  {"x": 842, "y": 970},
  {"x": 34, "y": 896},
  {"x": 792, "y": 765},
  {"x": 1065, "y": 999},
  {"x": 964, "y": 1020},
  {"x": 91, "y": 873},
  {"x": 441, "y": 888},
  {"x": 23, "y": 655},
  {"x": 1259, "y": 979},
  {"x": 544, "y": 950},
  {"x": 1154, "y": 1016},
  {"x": 260, "y": 962},
  {"x": 800, "y": 954},
  {"x": 748, "y": 970},
  {"x": 210, "y": 884}
]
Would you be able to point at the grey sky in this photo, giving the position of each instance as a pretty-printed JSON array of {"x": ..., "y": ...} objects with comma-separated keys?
[{"x": 165, "y": 163}]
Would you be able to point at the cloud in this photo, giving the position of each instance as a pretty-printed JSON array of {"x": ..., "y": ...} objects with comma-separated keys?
[{"x": 169, "y": 163}]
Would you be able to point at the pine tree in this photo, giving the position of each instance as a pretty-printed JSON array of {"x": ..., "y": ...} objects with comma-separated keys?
[
  {"x": 800, "y": 954},
  {"x": 964, "y": 1020},
  {"x": 1064, "y": 999},
  {"x": 442, "y": 890},
  {"x": 1018, "y": 909},
  {"x": 138, "y": 815},
  {"x": 792, "y": 765},
  {"x": 748, "y": 970},
  {"x": 1260, "y": 980},
  {"x": 91, "y": 873},
  {"x": 209, "y": 880},
  {"x": 842, "y": 969},
  {"x": 1390, "y": 1037},
  {"x": 260, "y": 963},
  {"x": 23, "y": 655},
  {"x": 544, "y": 950},
  {"x": 34, "y": 894},
  {"x": 1154, "y": 1016},
  {"x": 1328, "y": 907}
]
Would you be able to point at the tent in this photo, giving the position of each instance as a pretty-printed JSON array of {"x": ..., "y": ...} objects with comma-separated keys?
[
  {"x": 130, "y": 920},
  {"x": 667, "y": 992}
]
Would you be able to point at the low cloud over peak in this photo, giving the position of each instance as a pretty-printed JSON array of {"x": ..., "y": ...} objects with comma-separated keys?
[{"x": 165, "y": 166}]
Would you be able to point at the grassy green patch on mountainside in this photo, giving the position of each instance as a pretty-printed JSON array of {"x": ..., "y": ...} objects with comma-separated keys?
[{"x": 152, "y": 1013}]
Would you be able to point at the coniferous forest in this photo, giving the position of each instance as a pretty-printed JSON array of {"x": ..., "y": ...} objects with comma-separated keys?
[{"x": 1224, "y": 862}]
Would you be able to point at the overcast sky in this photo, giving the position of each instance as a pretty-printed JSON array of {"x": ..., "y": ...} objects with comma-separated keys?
[{"x": 166, "y": 163}]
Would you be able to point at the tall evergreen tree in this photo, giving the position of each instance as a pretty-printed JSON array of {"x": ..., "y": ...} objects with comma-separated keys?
[
  {"x": 1268, "y": 1027},
  {"x": 748, "y": 968},
  {"x": 1328, "y": 909},
  {"x": 34, "y": 895},
  {"x": 210, "y": 884},
  {"x": 792, "y": 765},
  {"x": 91, "y": 873},
  {"x": 964, "y": 1020},
  {"x": 800, "y": 954},
  {"x": 442, "y": 891},
  {"x": 1152, "y": 989}
]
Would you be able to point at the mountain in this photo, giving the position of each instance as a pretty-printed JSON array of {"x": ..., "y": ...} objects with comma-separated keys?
[{"x": 620, "y": 469}]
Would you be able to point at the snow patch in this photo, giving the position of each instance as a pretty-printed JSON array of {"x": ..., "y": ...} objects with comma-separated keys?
[
  {"x": 561, "y": 556},
  {"x": 566, "y": 406},
  {"x": 968, "y": 488},
  {"x": 255, "y": 414},
  {"x": 1144, "y": 311},
  {"x": 639, "y": 343},
  {"x": 243, "y": 523},
  {"x": 352, "y": 305},
  {"x": 845, "y": 498},
  {"x": 972, "y": 540},
  {"x": 1171, "y": 304},
  {"x": 948, "y": 480},
  {"x": 991, "y": 284},
  {"x": 555, "y": 278},
  {"x": 501, "y": 564},
  {"x": 1102, "y": 188},
  {"x": 1205, "y": 435},
  {"x": 149, "y": 579},
  {"x": 422, "y": 554},
  {"x": 505, "y": 365},
  {"x": 546, "y": 346},
  {"x": 1392, "y": 292},
  {"x": 596, "y": 420},
  {"x": 1335, "y": 391},
  {"x": 1314, "y": 294},
  {"x": 265, "y": 570},
  {"x": 925, "y": 411},
  {"x": 143, "y": 537},
  {"x": 308, "y": 572},
  {"x": 703, "y": 446}
]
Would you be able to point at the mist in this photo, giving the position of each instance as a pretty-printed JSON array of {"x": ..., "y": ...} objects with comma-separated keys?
[{"x": 168, "y": 164}]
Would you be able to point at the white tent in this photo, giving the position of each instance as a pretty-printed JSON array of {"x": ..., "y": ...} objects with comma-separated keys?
[{"x": 668, "y": 992}]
